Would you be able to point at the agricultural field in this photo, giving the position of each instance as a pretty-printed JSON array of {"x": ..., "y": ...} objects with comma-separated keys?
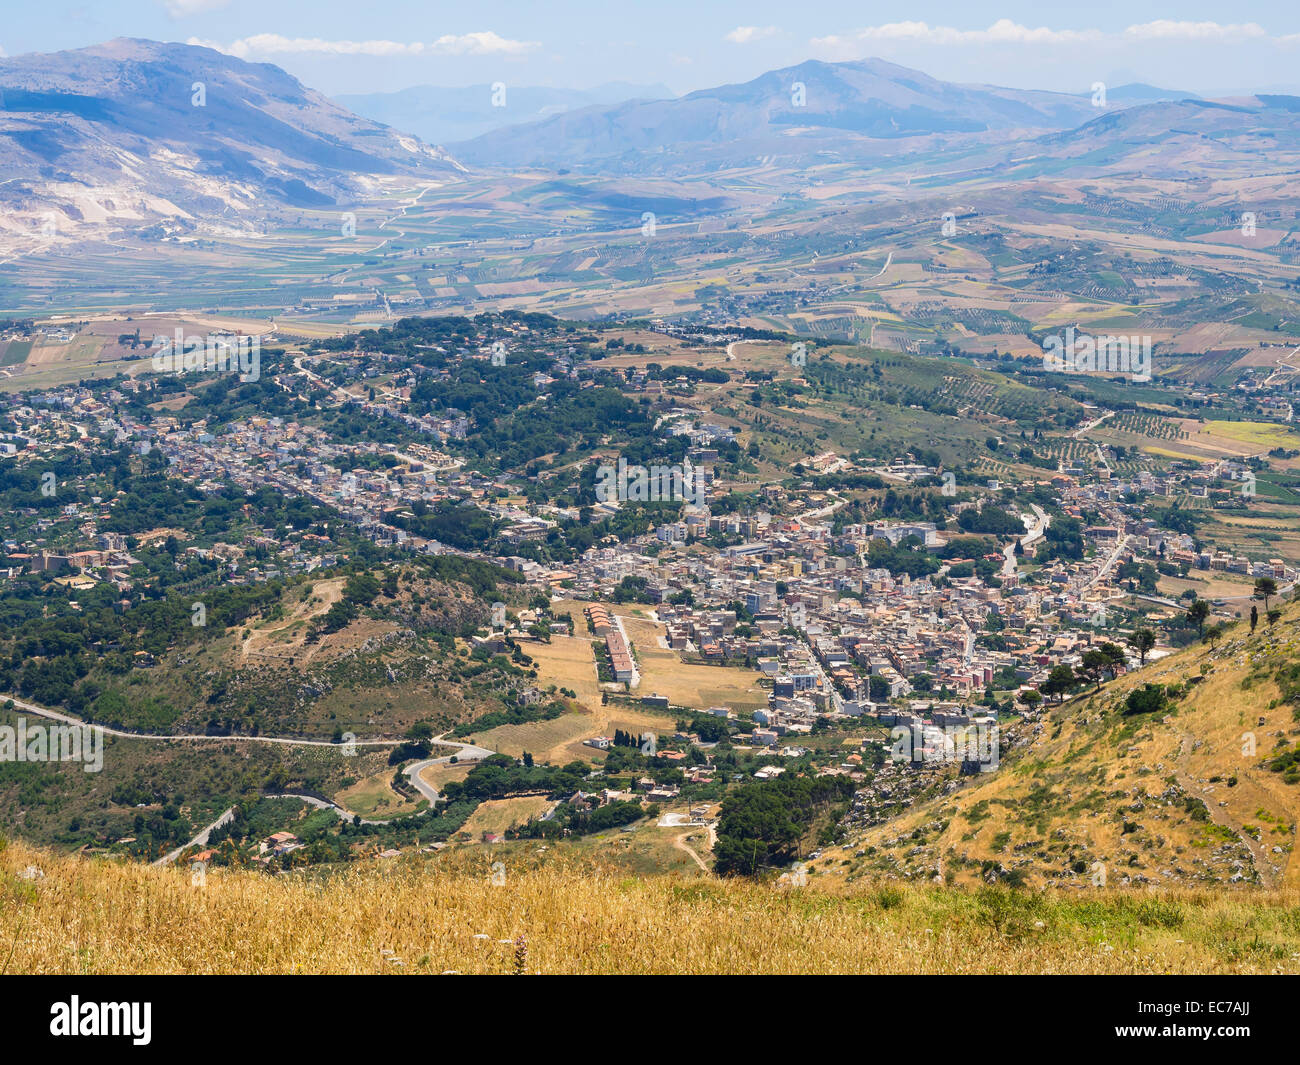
[
  {"x": 570, "y": 662},
  {"x": 559, "y": 740},
  {"x": 1207, "y": 585},
  {"x": 1253, "y": 437},
  {"x": 1263, "y": 530}
]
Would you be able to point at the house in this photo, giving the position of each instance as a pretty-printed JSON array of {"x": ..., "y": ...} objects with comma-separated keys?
[{"x": 280, "y": 843}]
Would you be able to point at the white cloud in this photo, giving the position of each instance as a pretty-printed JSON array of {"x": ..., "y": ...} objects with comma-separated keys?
[
  {"x": 273, "y": 44},
  {"x": 181, "y": 8},
  {"x": 746, "y": 34},
  {"x": 267, "y": 44},
  {"x": 1166, "y": 29},
  {"x": 1005, "y": 31},
  {"x": 484, "y": 43}
]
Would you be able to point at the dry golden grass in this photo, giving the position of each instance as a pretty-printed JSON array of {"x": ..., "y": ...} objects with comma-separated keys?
[
  {"x": 685, "y": 684},
  {"x": 498, "y": 815},
  {"x": 541, "y": 738},
  {"x": 435, "y": 915},
  {"x": 1213, "y": 585},
  {"x": 374, "y": 797},
  {"x": 568, "y": 662},
  {"x": 441, "y": 774},
  {"x": 559, "y": 740}
]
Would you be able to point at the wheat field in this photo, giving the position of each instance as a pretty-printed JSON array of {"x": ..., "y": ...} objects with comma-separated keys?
[{"x": 76, "y": 915}]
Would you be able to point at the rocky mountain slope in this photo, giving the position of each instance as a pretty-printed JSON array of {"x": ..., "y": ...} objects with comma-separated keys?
[{"x": 133, "y": 134}]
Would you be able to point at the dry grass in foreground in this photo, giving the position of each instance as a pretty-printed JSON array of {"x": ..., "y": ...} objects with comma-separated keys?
[{"x": 426, "y": 916}]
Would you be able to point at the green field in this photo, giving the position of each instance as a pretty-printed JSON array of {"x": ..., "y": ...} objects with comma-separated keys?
[{"x": 16, "y": 352}]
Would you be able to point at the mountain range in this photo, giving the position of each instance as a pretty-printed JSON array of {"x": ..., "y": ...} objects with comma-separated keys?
[
  {"x": 160, "y": 140},
  {"x": 848, "y": 110}
]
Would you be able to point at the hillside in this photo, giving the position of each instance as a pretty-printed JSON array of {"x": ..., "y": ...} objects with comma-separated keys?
[
  {"x": 1183, "y": 139},
  {"x": 319, "y": 659},
  {"x": 1204, "y": 790},
  {"x": 430, "y": 915},
  {"x": 133, "y": 133}
]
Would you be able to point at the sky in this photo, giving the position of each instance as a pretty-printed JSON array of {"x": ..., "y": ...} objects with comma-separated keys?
[{"x": 347, "y": 46}]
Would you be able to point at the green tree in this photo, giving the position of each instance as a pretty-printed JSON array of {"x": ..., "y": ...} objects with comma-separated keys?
[
  {"x": 1059, "y": 681},
  {"x": 1115, "y": 658},
  {"x": 1095, "y": 663},
  {"x": 1148, "y": 699},
  {"x": 1142, "y": 640},
  {"x": 1030, "y": 697}
]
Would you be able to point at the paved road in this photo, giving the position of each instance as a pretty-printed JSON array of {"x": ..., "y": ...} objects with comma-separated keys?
[
  {"x": 199, "y": 840},
  {"x": 1109, "y": 564},
  {"x": 53, "y": 715},
  {"x": 1283, "y": 591},
  {"x": 830, "y": 508},
  {"x": 1034, "y": 532},
  {"x": 343, "y": 812},
  {"x": 466, "y": 752},
  {"x": 1088, "y": 426},
  {"x": 1078, "y": 434}
]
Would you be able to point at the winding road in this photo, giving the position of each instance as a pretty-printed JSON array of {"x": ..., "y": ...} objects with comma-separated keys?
[
  {"x": 66, "y": 719},
  {"x": 1035, "y": 531},
  {"x": 465, "y": 752},
  {"x": 199, "y": 840}
]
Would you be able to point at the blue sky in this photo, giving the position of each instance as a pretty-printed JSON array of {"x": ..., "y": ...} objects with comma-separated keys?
[{"x": 351, "y": 46}]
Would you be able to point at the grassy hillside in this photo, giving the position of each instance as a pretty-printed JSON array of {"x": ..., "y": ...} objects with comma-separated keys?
[
  {"x": 310, "y": 663},
  {"x": 62, "y": 914},
  {"x": 1204, "y": 790}
]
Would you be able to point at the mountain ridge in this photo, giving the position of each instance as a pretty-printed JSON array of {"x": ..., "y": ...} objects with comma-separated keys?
[{"x": 810, "y": 105}]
